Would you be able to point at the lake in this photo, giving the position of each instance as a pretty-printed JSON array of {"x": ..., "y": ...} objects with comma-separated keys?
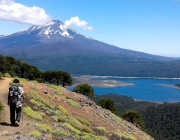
[{"x": 150, "y": 89}]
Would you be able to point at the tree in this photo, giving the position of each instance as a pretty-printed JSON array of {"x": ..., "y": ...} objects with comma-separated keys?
[
  {"x": 108, "y": 104},
  {"x": 134, "y": 117},
  {"x": 66, "y": 79},
  {"x": 84, "y": 89}
]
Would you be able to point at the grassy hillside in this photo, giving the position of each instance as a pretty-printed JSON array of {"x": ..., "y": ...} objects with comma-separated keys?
[{"x": 64, "y": 114}]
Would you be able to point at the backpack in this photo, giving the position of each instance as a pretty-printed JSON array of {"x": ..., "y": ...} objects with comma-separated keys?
[{"x": 15, "y": 94}]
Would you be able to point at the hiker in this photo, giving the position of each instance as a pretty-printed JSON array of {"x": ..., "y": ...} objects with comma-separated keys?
[{"x": 15, "y": 97}]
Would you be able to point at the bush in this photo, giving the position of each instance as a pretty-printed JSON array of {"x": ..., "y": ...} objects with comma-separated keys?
[
  {"x": 35, "y": 133},
  {"x": 72, "y": 103},
  {"x": 7, "y": 75},
  {"x": 40, "y": 80},
  {"x": 1, "y": 107},
  {"x": 32, "y": 114},
  {"x": 44, "y": 127},
  {"x": 1, "y": 75},
  {"x": 63, "y": 110}
]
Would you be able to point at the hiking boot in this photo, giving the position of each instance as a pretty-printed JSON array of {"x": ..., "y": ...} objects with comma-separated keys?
[{"x": 16, "y": 123}]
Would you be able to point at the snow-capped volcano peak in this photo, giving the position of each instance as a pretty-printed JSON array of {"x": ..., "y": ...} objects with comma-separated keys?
[{"x": 50, "y": 33}]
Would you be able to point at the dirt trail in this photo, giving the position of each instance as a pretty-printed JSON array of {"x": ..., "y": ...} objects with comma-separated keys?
[{"x": 5, "y": 128}]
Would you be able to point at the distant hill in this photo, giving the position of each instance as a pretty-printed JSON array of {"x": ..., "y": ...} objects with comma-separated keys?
[{"x": 50, "y": 48}]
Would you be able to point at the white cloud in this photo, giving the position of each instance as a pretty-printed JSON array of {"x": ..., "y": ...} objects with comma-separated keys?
[
  {"x": 12, "y": 11},
  {"x": 75, "y": 21}
]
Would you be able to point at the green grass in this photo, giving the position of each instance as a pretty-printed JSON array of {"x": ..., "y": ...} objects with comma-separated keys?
[
  {"x": 43, "y": 127},
  {"x": 32, "y": 114},
  {"x": 50, "y": 96},
  {"x": 35, "y": 133},
  {"x": 70, "y": 127},
  {"x": 7, "y": 75},
  {"x": 39, "y": 104},
  {"x": 72, "y": 103},
  {"x": 60, "y": 132},
  {"x": 123, "y": 135},
  {"x": 1, "y": 106},
  {"x": 83, "y": 121},
  {"x": 33, "y": 87},
  {"x": 63, "y": 111},
  {"x": 87, "y": 136},
  {"x": 36, "y": 97},
  {"x": 61, "y": 119},
  {"x": 58, "y": 92},
  {"x": 100, "y": 128}
]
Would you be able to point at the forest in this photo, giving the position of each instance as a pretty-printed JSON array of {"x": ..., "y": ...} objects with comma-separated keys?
[
  {"x": 19, "y": 68},
  {"x": 161, "y": 120}
]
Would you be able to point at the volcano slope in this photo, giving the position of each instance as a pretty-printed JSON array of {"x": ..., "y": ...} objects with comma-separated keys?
[{"x": 52, "y": 112}]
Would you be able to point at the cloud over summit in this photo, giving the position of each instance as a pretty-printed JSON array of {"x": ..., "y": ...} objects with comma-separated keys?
[
  {"x": 12, "y": 11},
  {"x": 75, "y": 21}
]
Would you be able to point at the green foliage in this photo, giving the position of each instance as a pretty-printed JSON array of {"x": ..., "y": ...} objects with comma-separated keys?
[
  {"x": 162, "y": 121},
  {"x": 44, "y": 127},
  {"x": 61, "y": 119},
  {"x": 39, "y": 104},
  {"x": 1, "y": 106},
  {"x": 83, "y": 121},
  {"x": 108, "y": 104},
  {"x": 100, "y": 128},
  {"x": 32, "y": 114},
  {"x": 63, "y": 110},
  {"x": 134, "y": 117},
  {"x": 57, "y": 78},
  {"x": 72, "y": 103},
  {"x": 33, "y": 87},
  {"x": 84, "y": 89},
  {"x": 124, "y": 103},
  {"x": 1, "y": 75},
  {"x": 69, "y": 126},
  {"x": 36, "y": 97},
  {"x": 7, "y": 75},
  {"x": 60, "y": 132},
  {"x": 35, "y": 133},
  {"x": 40, "y": 80},
  {"x": 122, "y": 135}
]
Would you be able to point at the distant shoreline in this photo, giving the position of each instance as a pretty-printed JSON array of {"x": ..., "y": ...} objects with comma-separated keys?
[{"x": 104, "y": 83}]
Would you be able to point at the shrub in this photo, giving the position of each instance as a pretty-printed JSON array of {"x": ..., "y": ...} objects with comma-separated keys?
[
  {"x": 60, "y": 132},
  {"x": 58, "y": 92},
  {"x": 40, "y": 80},
  {"x": 7, "y": 75},
  {"x": 72, "y": 103},
  {"x": 63, "y": 110},
  {"x": 33, "y": 87},
  {"x": 1, "y": 107},
  {"x": 32, "y": 114},
  {"x": 50, "y": 96},
  {"x": 44, "y": 127},
  {"x": 39, "y": 104},
  {"x": 35, "y": 133},
  {"x": 36, "y": 97},
  {"x": 100, "y": 128},
  {"x": 69, "y": 126},
  {"x": 1, "y": 75},
  {"x": 61, "y": 119},
  {"x": 83, "y": 121}
]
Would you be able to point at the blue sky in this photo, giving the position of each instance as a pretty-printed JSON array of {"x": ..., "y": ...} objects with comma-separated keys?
[{"x": 151, "y": 26}]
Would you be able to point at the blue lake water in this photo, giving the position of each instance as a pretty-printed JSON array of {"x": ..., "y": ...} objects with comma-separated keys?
[{"x": 144, "y": 89}]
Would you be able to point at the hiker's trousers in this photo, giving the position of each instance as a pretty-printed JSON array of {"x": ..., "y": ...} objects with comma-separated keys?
[{"x": 15, "y": 113}]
